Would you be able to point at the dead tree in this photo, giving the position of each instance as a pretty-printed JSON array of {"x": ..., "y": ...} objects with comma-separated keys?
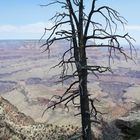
[{"x": 83, "y": 30}]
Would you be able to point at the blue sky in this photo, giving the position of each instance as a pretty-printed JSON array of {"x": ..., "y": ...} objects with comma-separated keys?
[{"x": 25, "y": 19}]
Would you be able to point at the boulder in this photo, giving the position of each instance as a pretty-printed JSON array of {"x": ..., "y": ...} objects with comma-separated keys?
[{"x": 129, "y": 125}]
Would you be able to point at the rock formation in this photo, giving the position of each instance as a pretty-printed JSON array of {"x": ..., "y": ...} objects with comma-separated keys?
[{"x": 130, "y": 125}]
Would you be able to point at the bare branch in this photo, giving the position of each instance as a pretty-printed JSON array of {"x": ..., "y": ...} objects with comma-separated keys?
[
  {"x": 69, "y": 88},
  {"x": 76, "y": 2},
  {"x": 99, "y": 69},
  {"x": 94, "y": 111},
  {"x": 60, "y": 101},
  {"x": 71, "y": 11},
  {"x": 89, "y": 17},
  {"x": 71, "y": 99},
  {"x": 49, "y": 42},
  {"x": 58, "y": 17}
]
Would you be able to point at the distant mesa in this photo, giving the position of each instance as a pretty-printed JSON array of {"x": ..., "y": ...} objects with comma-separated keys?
[
  {"x": 6, "y": 86},
  {"x": 33, "y": 80}
]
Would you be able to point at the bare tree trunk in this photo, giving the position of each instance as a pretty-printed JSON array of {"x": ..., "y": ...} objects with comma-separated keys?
[{"x": 84, "y": 101}]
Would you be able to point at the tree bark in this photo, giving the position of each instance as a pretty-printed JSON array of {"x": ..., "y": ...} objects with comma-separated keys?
[{"x": 84, "y": 99}]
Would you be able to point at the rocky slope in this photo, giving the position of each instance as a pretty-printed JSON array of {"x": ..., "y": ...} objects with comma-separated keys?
[{"x": 14, "y": 125}]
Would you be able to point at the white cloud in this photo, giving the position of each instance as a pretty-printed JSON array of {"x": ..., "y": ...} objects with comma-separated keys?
[
  {"x": 133, "y": 27},
  {"x": 27, "y": 31},
  {"x": 36, "y": 30},
  {"x": 39, "y": 27},
  {"x": 28, "y": 28},
  {"x": 7, "y": 28}
]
